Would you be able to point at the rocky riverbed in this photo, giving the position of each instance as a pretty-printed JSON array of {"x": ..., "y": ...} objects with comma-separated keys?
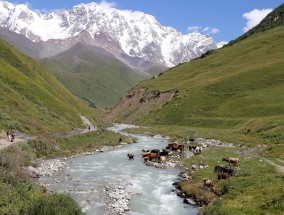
[{"x": 110, "y": 183}]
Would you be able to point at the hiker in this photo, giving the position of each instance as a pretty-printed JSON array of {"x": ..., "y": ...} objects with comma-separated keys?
[
  {"x": 9, "y": 135},
  {"x": 13, "y": 135}
]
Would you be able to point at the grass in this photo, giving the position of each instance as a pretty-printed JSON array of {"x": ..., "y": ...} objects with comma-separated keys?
[
  {"x": 235, "y": 94},
  {"x": 32, "y": 100},
  {"x": 20, "y": 195},
  {"x": 257, "y": 187},
  {"x": 61, "y": 147},
  {"x": 96, "y": 77}
]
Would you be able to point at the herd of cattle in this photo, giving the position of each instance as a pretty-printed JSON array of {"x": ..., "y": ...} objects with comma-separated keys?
[
  {"x": 222, "y": 172},
  {"x": 160, "y": 155}
]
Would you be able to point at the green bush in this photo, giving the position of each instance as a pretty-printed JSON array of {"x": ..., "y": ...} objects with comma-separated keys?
[
  {"x": 58, "y": 204},
  {"x": 19, "y": 195}
]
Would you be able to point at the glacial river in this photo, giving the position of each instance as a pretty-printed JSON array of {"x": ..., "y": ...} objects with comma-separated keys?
[{"x": 86, "y": 178}]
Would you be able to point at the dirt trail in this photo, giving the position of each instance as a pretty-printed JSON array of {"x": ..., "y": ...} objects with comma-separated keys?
[
  {"x": 280, "y": 168},
  {"x": 21, "y": 137}
]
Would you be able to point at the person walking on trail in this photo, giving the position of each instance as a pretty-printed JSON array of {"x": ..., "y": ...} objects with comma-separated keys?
[
  {"x": 13, "y": 135},
  {"x": 9, "y": 135}
]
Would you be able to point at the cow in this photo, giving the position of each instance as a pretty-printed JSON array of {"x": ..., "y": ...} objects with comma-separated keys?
[
  {"x": 155, "y": 151},
  {"x": 164, "y": 152},
  {"x": 130, "y": 156},
  {"x": 230, "y": 160},
  {"x": 223, "y": 175},
  {"x": 220, "y": 169},
  {"x": 207, "y": 183},
  {"x": 191, "y": 147},
  {"x": 175, "y": 147},
  {"x": 150, "y": 156},
  {"x": 198, "y": 150}
]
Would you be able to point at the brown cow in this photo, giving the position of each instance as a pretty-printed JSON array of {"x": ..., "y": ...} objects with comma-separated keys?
[
  {"x": 175, "y": 146},
  {"x": 230, "y": 160},
  {"x": 150, "y": 156},
  {"x": 223, "y": 175},
  {"x": 207, "y": 183}
]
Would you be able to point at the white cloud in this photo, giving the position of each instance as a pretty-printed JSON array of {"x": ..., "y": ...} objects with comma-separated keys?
[
  {"x": 207, "y": 30},
  {"x": 214, "y": 31},
  {"x": 107, "y": 5},
  {"x": 193, "y": 28},
  {"x": 254, "y": 17}
]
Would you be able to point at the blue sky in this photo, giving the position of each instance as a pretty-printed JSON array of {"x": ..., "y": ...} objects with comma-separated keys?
[{"x": 224, "y": 20}]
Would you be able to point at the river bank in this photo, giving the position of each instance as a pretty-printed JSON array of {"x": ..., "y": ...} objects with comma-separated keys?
[
  {"x": 111, "y": 173},
  {"x": 215, "y": 202},
  {"x": 51, "y": 168}
]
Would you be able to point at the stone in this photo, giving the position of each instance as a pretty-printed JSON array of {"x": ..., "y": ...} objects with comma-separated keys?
[
  {"x": 33, "y": 172},
  {"x": 56, "y": 148},
  {"x": 189, "y": 201}
]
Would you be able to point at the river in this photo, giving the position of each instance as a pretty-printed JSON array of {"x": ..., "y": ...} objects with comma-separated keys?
[{"x": 86, "y": 179}]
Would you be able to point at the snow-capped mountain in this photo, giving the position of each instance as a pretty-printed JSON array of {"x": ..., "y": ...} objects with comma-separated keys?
[
  {"x": 121, "y": 32},
  {"x": 221, "y": 44}
]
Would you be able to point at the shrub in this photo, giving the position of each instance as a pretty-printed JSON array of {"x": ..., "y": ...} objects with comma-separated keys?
[{"x": 60, "y": 204}]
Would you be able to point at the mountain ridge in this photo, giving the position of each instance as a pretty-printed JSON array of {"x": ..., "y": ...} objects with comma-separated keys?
[
  {"x": 89, "y": 73},
  {"x": 120, "y": 32}
]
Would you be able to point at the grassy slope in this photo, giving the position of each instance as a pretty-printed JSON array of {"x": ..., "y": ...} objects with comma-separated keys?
[
  {"x": 234, "y": 94},
  {"x": 239, "y": 88},
  {"x": 31, "y": 99},
  {"x": 256, "y": 188},
  {"x": 92, "y": 74}
]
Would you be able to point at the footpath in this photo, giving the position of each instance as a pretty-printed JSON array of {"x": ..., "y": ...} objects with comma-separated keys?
[
  {"x": 279, "y": 165},
  {"x": 21, "y": 137}
]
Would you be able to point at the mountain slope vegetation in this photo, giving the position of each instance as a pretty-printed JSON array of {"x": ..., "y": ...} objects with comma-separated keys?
[
  {"x": 32, "y": 100},
  {"x": 92, "y": 74},
  {"x": 237, "y": 88}
]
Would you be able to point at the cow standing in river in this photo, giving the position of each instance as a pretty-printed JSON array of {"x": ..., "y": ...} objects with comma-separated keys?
[{"x": 130, "y": 156}]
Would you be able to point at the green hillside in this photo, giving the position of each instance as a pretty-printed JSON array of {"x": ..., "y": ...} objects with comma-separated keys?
[
  {"x": 92, "y": 74},
  {"x": 237, "y": 88},
  {"x": 31, "y": 99}
]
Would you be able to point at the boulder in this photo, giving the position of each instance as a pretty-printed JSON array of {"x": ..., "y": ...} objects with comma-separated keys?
[
  {"x": 189, "y": 201},
  {"x": 33, "y": 172}
]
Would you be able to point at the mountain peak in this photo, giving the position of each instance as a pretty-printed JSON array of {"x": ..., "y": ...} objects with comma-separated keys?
[{"x": 135, "y": 34}]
